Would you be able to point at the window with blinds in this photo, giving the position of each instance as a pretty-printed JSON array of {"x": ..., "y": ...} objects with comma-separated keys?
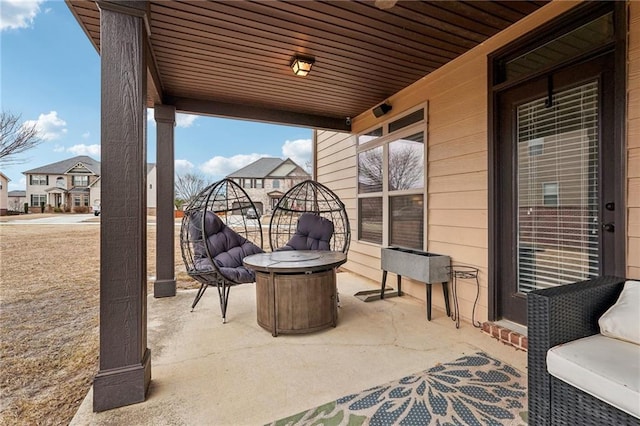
[{"x": 557, "y": 186}]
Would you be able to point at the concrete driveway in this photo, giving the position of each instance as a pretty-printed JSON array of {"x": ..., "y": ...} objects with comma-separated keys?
[{"x": 51, "y": 219}]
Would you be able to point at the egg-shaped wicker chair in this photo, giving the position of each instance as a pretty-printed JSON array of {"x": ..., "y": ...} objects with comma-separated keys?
[
  {"x": 220, "y": 227},
  {"x": 309, "y": 216}
]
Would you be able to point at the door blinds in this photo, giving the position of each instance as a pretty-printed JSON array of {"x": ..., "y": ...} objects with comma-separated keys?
[{"x": 557, "y": 184}]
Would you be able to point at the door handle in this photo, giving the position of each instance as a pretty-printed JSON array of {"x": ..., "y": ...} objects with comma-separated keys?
[{"x": 609, "y": 227}]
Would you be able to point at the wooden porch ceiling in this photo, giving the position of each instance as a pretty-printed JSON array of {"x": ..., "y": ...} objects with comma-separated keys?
[{"x": 231, "y": 58}]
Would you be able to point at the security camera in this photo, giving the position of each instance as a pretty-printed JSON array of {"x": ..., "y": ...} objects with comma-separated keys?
[{"x": 348, "y": 121}]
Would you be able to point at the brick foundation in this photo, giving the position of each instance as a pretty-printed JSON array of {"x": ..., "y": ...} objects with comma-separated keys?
[{"x": 506, "y": 336}]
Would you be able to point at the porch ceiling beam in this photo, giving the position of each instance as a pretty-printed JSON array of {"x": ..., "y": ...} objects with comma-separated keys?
[
  {"x": 155, "y": 93},
  {"x": 247, "y": 112}
]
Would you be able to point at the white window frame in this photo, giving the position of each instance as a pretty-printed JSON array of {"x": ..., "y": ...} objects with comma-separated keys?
[
  {"x": 38, "y": 180},
  {"x": 536, "y": 147},
  {"x": 75, "y": 178},
  {"x": 556, "y": 193},
  {"x": 41, "y": 198},
  {"x": 384, "y": 141}
]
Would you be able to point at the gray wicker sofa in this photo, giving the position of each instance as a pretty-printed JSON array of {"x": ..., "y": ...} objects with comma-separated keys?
[{"x": 560, "y": 315}]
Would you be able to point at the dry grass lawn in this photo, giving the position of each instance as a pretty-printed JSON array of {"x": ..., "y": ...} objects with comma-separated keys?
[{"x": 49, "y": 313}]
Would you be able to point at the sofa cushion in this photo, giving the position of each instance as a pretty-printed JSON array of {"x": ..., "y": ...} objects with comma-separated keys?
[
  {"x": 622, "y": 320},
  {"x": 608, "y": 369},
  {"x": 227, "y": 249},
  {"x": 313, "y": 232}
]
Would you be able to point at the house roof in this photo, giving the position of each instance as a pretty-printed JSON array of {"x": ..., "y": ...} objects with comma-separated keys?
[
  {"x": 17, "y": 193},
  {"x": 79, "y": 190},
  {"x": 264, "y": 167},
  {"x": 56, "y": 189},
  {"x": 275, "y": 194},
  {"x": 61, "y": 167},
  {"x": 231, "y": 58}
]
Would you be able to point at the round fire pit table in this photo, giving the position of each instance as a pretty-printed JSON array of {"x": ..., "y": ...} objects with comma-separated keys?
[{"x": 296, "y": 290}]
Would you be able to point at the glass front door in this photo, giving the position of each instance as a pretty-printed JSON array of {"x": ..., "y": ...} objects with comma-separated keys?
[
  {"x": 557, "y": 183},
  {"x": 557, "y": 188}
]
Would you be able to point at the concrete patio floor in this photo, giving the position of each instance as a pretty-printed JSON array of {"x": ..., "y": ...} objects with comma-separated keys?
[{"x": 208, "y": 373}]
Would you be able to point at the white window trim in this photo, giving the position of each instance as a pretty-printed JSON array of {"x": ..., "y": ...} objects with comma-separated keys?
[
  {"x": 40, "y": 198},
  {"x": 546, "y": 185},
  {"x": 384, "y": 141}
]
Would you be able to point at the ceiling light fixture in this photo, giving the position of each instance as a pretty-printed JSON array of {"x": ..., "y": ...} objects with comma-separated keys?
[
  {"x": 301, "y": 65},
  {"x": 385, "y": 4}
]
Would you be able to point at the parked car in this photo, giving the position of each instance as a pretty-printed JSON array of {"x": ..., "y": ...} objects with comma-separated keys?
[
  {"x": 252, "y": 214},
  {"x": 96, "y": 209}
]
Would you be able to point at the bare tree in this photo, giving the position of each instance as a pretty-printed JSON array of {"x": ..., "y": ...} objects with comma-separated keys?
[
  {"x": 15, "y": 138},
  {"x": 405, "y": 168},
  {"x": 187, "y": 186},
  {"x": 370, "y": 170}
]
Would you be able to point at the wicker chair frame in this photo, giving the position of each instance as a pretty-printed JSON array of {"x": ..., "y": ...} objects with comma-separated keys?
[
  {"x": 559, "y": 315},
  {"x": 231, "y": 203},
  {"x": 309, "y": 196}
]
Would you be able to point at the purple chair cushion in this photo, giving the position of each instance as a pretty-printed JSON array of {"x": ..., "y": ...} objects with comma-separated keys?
[
  {"x": 312, "y": 233},
  {"x": 227, "y": 249}
]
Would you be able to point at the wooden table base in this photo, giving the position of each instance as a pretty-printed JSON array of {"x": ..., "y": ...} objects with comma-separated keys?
[{"x": 296, "y": 303}]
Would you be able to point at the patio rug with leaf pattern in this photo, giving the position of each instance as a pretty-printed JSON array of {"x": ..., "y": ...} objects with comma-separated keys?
[{"x": 473, "y": 390}]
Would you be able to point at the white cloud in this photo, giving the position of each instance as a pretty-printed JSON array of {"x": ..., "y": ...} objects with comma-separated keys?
[
  {"x": 86, "y": 135},
  {"x": 222, "y": 166},
  {"x": 182, "y": 120},
  {"x": 185, "y": 120},
  {"x": 50, "y": 126},
  {"x": 82, "y": 149},
  {"x": 58, "y": 148},
  {"x": 183, "y": 166},
  {"x": 16, "y": 14},
  {"x": 299, "y": 151}
]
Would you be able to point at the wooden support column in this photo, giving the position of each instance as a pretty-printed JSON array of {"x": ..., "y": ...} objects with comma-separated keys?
[
  {"x": 125, "y": 361},
  {"x": 165, "y": 284}
]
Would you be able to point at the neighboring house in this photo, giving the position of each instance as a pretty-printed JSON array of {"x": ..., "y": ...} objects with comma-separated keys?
[
  {"x": 62, "y": 185},
  {"x": 16, "y": 200},
  {"x": 73, "y": 183},
  {"x": 4, "y": 194},
  {"x": 268, "y": 179}
]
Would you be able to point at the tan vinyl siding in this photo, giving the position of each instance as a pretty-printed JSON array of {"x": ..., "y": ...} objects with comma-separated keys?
[
  {"x": 336, "y": 155},
  {"x": 633, "y": 143},
  {"x": 457, "y": 156}
]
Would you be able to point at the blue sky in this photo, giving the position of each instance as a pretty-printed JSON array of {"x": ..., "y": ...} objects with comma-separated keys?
[{"x": 50, "y": 75}]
